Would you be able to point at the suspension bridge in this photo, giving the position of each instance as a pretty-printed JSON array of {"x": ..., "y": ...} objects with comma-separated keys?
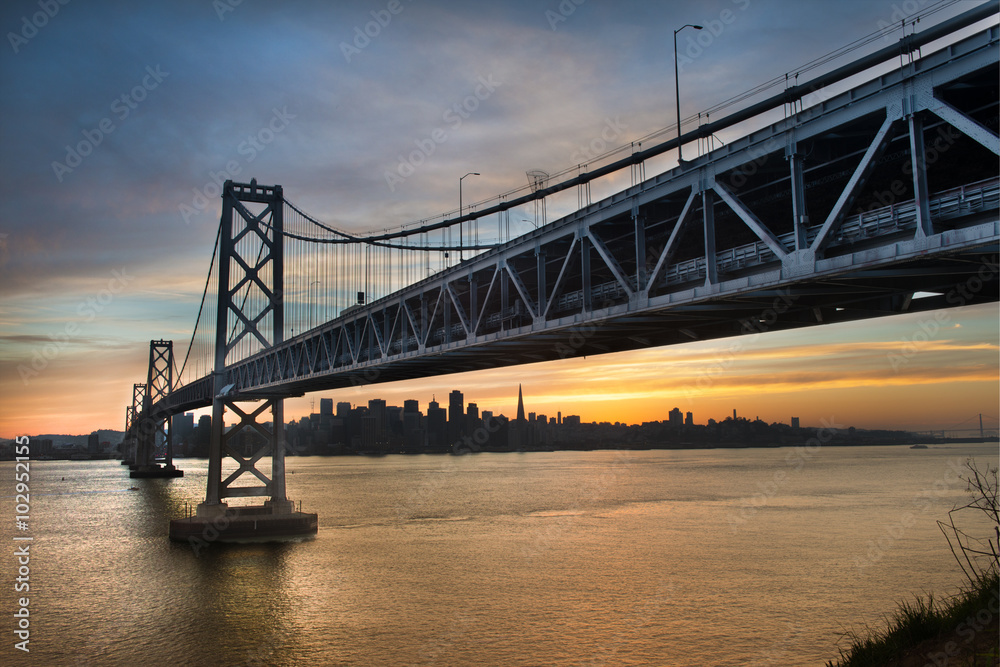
[{"x": 835, "y": 206}]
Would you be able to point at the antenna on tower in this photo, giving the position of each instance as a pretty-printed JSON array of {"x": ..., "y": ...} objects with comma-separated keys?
[{"x": 538, "y": 179}]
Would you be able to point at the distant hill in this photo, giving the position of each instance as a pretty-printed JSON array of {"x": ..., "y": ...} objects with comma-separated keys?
[{"x": 105, "y": 435}]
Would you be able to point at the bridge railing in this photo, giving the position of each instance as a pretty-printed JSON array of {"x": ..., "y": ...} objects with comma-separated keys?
[{"x": 946, "y": 205}]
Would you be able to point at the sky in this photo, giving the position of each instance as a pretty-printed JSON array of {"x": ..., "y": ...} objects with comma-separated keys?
[{"x": 104, "y": 248}]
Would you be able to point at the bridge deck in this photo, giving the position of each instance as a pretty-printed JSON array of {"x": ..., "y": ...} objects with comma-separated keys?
[{"x": 826, "y": 216}]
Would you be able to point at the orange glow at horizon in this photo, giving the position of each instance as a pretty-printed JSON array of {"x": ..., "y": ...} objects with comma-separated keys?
[{"x": 843, "y": 376}]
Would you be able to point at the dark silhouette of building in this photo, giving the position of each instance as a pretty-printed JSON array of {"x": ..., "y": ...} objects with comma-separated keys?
[
  {"x": 456, "y": 416},
  {"x": 517, "y": 432},
  {"x": 437, "y": 426},
  {"x": 414, "y": 434},
  {"x": 202, "y": 436},
  {"x": 471, "y": 418}
]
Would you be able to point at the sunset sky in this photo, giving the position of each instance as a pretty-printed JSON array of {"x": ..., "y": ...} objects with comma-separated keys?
[{"x": 100, "y": 253}]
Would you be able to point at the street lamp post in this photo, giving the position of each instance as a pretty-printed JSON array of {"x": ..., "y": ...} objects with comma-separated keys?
[
  {"x": 677, "y": 90},
  {"x": 471, "y": 173}
]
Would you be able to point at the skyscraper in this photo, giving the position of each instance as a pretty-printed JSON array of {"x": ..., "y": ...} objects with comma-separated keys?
[
  {"x": 456, "y": 415},
  {"x": 518, "y": 431},
  {"x": 436, "y": 424},
  {"x": 377, "y": 410},
  {"x": 472, "y": 417}
]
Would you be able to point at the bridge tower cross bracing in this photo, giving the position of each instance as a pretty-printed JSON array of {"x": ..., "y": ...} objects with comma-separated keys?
[
  {"x": 133, "y": 436},
  {"x": 250, "y": 263},
  {"x": 128, "y": 443},
  {"x": 154, "y": 427}
]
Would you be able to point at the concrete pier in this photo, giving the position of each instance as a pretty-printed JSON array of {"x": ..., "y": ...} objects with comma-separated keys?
[
  {"x": 155, "y": 471},
  {"x": 258, "y": 523}
]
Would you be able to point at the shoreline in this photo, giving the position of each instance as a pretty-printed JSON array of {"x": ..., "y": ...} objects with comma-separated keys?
[{"x": 639, "y": 448}]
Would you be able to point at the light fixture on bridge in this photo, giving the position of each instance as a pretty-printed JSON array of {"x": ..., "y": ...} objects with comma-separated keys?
[{"x": 677, "y": 90}]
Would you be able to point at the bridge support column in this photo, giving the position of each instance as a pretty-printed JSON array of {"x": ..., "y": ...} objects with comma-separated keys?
[
  {"x": 921, "y": 193},
  {"x": 250, "y": 260},
  {"x": 641, "y": 279},
  {"x": 708, "y": 208},
  {"x": 799, "y": 215}
]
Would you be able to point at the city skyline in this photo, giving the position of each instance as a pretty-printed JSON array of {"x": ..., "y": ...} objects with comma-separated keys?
[
  {"x": 100, "y": 253},
  {"x": 553, "y": 412}
]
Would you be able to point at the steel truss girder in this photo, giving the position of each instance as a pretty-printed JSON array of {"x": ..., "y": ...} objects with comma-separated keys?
[{"x": 842, "y": 245}]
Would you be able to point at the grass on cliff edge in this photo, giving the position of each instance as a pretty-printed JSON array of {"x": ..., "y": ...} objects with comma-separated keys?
[
  {"x": 953, "y": 624},
  {"x": 964, "y": 631}
]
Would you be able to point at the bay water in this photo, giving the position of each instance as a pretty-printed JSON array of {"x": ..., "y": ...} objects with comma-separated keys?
[{"x": 681, "y": 558}]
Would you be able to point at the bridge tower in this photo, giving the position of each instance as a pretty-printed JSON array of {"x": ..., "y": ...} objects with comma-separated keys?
[
  {"x": 153, "y": 428},
  {"x": 250, "y": 319},
  {"x": 132, "y": 414},
  {"x": 128, "y": 442}
]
